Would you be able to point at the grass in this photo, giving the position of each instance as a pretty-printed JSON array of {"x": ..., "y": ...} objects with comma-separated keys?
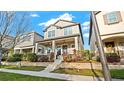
[
  {"x": 86, "y": 72},
  {"x": 5, "y": 76},
  {"x": 117, "y": 73},
  {"x": 29, "y": 68}
]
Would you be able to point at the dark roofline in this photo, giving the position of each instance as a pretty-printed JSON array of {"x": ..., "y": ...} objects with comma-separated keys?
[
  {"x": 39, "y": 34},
  {"x": 36, "y": 33},
  {"x": 91, "y": 23},
  {"x": 81, "y": 33}
]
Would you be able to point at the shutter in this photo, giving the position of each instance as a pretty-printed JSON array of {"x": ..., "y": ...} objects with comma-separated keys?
[
  {"x": 105, "y": 19},
  {"x": 119, "y": 16}
]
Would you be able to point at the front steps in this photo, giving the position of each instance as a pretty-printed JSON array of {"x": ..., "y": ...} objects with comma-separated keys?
[{"x": 53, "y": 66}]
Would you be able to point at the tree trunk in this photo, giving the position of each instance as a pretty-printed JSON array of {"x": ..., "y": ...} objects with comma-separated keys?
[{"x": 0, "y": 55}]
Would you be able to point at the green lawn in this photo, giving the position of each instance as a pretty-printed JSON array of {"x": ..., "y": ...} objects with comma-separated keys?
[
  {"x": 115, "y": 73},
  {"x": 5, "y": 76},
  {"x": 86, "y": 72},
  {"x": 30, "y": 68},
  {"x": 119, "y": 74}
]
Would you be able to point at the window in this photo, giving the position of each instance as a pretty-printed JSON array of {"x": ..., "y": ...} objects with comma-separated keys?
[
  {"x": 112, "y": 18},
  {"x": 73, "y": 46},
  {"x": 68, "y": 31},
  {"x": 51, "y": 33}
]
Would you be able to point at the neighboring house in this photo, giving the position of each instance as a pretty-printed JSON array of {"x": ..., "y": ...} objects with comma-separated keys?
[
  {"x": 26, "y": 43},
  {"x": 111, "y": 28},
  {"x": 63, "y": 36},
  {"x": 7, "y": 42}
]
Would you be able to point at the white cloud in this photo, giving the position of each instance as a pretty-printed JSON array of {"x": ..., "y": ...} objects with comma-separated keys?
[
  {"x": 86, "y": 23},
  {"x": 65, "y": 16},
  {"x": 86, "y": 35},
  {"x": 34, "y": 15},
  {"x": 85, "y": 26}
]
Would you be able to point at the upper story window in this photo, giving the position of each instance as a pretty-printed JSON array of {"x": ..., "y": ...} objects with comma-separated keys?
[
  {"x": 51, "y": 34},
  {"x": 68, "y": 31},
  {"x": 112, "y": 18}
]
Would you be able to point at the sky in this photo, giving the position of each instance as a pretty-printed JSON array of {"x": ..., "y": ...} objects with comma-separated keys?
[{"x": 41, "y": 19}]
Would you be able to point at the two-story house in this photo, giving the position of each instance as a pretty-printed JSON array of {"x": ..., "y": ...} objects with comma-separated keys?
[
  {"x": 111, "y": 28},
  {"x": 64, "y": 36},
  {"x": 26, "y": 43}
]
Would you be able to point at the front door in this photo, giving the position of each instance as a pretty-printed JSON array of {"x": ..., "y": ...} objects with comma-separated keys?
[{"x": 58, "y": 51}]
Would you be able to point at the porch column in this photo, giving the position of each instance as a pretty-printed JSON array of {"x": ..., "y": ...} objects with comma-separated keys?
[
  {"x": 76, "y": 43},
  {"x": 14, "y": 51},
  {"x": 53, "y": 49},
  {"x": 36, "y": 48},
  {"x": 20, "y": 51},
  {"x": 33, "y": 50}
]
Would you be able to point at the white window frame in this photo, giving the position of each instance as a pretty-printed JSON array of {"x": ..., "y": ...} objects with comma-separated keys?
[
  {"x": 68, "y": 31},
  {"x": 51, "y": 34},
  {"x": 112, "y": 18}
]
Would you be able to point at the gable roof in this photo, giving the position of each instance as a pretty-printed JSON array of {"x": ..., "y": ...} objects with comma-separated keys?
[{"x": 75, "y": 23}]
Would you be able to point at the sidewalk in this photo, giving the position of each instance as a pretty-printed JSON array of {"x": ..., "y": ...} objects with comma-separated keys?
[
  {"x": 56, "y": 75},
  {"x": 53, "y": 75}
]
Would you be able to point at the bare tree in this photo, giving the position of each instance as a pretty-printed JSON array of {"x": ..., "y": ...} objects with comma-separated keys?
[
  {"x": 12, "y": 24},
  {"x": 21, "y": 27},
  {"x": 6, "y": 19}
]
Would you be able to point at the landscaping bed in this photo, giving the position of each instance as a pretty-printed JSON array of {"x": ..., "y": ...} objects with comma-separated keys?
[
  {"x": 29, "y": 68},
  {"x": 5, "y": 76}
]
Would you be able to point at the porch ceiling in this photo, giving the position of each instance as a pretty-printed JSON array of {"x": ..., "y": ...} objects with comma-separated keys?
[
  {"x": 58, "y": 41},
  {"x": 114, "y": 38}
]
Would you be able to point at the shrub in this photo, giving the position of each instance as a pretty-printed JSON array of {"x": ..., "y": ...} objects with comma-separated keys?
[
  {"x": 98, "y": 58},
  {"x": 24, "y": 58},
  {"x": 69, "y": 58},
  {"x": 14, "y": 59},
  {"x": 42, "y": 58},
  {"x": 32, "y": 57},
  {"x": 52, "y": 56},
  {"x": 111, "y": 57},
  {"x": 17, "y": 55},
  {"x": 4, "y": 58}
]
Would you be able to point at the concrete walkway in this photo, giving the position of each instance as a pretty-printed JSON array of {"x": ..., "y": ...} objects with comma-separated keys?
[
  {"x": 56, "y": 75},
  {"x": 53, "y": 75}
]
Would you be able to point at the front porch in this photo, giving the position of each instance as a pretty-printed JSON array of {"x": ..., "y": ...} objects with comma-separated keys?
[
  {"x": 58, "y": 46},
  {"x": 21, "y": 50},
  {"x": 114, "y": 45}
]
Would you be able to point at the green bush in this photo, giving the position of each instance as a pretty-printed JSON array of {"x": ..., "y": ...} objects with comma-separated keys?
[
  {"x": 42, "y": 58},
  {"x": 13, "y": 59},
  {"x": 17, "y": 55},
  {"x": 24, "y": 58},
  {"x": 4, "y": 58},
  {"x": 32, "y": 57}
]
